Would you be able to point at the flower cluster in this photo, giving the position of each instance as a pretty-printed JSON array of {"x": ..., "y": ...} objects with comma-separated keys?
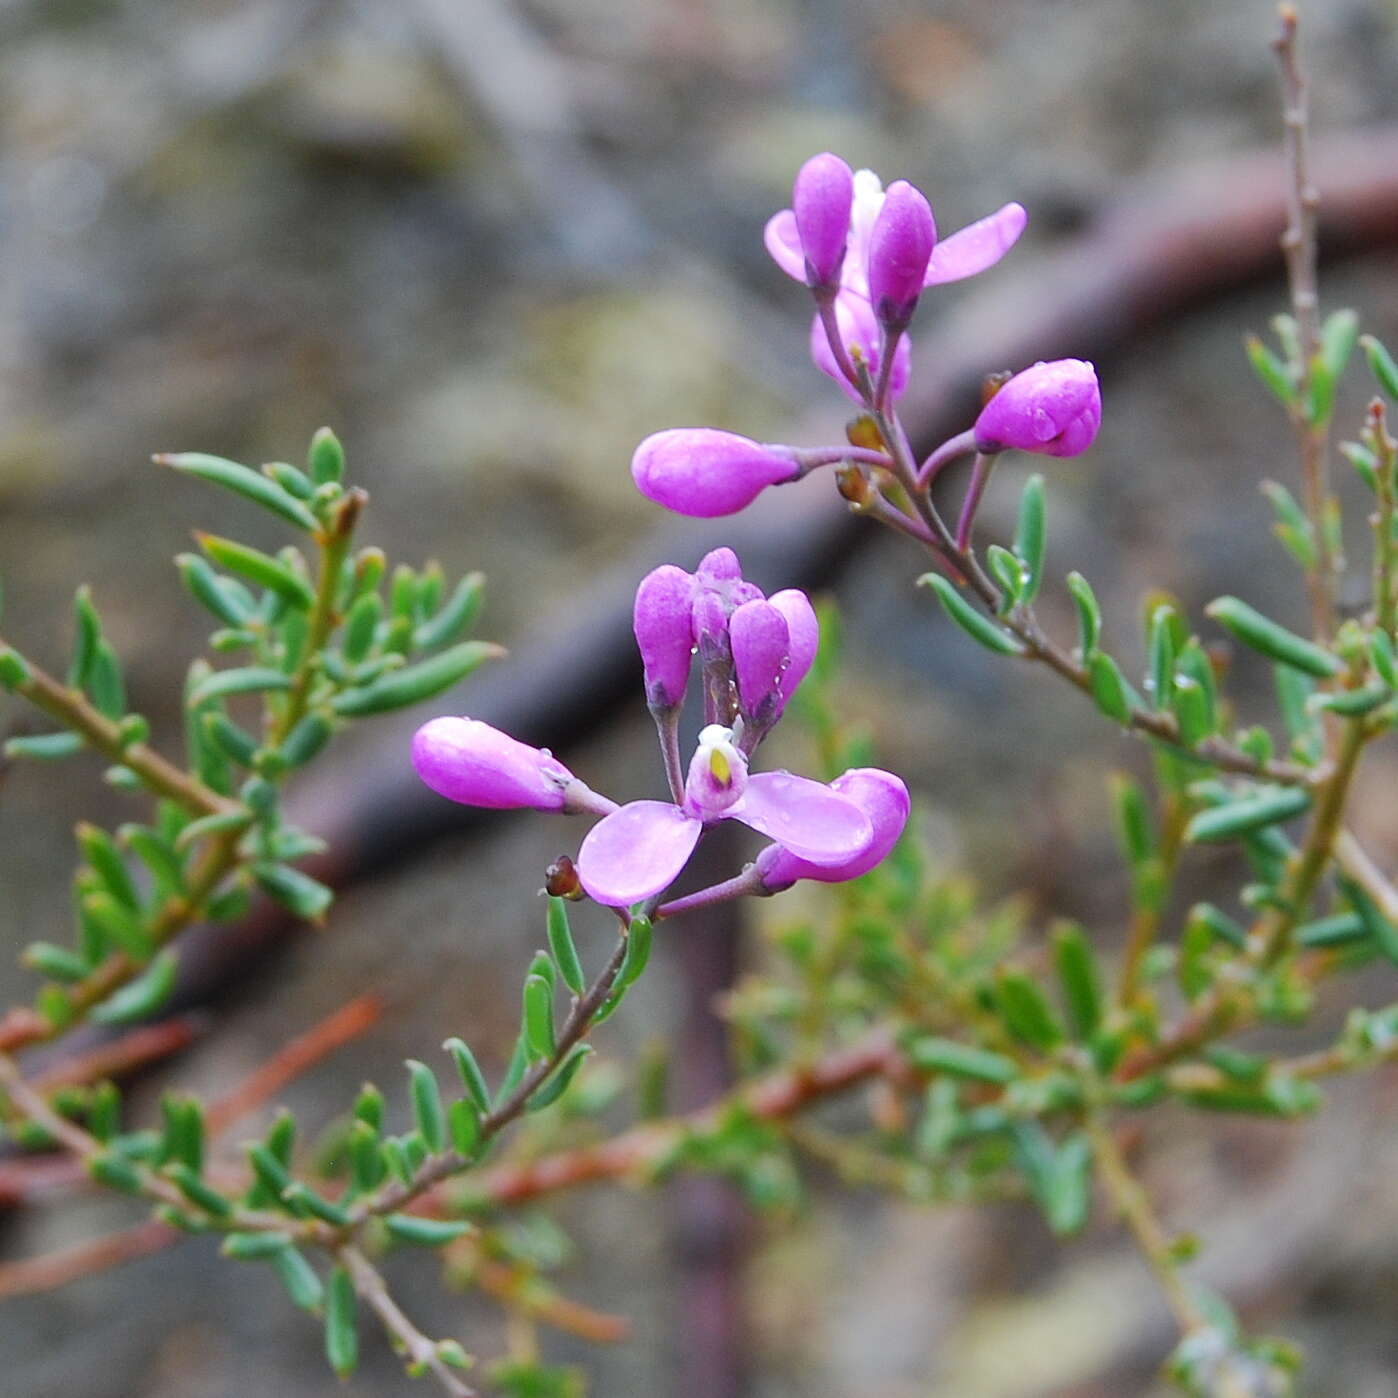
[
  {"x": 753, "y": 652},
  {"x": 866, "y": 254}
]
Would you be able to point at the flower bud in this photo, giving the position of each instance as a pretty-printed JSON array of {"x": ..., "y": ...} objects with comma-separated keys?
[
  {"x": 705, "y": 473},
  {"x": 468, "y": 761},
  {"x": 662, "y": 622},
  {"x": 900, "y": 247},
  {"x": 761, "y": 649},
  {"x": 821, "y": 200},
  {"x": 803, "y": 632},
  {"x": 884, "y": 800},
  {"x": 1053, "y": 408},
  {"x": 561, "y": 879}
]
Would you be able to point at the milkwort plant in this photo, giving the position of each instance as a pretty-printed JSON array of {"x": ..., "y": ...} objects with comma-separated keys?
[{"x": 995, "y": 1063}]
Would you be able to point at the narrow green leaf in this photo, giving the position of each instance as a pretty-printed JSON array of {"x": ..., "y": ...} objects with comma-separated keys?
[
  {"x": 1133, "y": 822},
  {"x": 414, "y": 683},
  {"x": 298, "y": 1276},
  {"x": 1009, "y": 575},
  {"x": 424, "y": 1232},
  {"x": 229, "y": 604},
  {"x": 1381, "y": 365},
  {"x": 456, "y": 618},
  {"x": 1292, "y": 527},
  {"x": 254, "y": 1247},
  {"x": 1160, "y": 646},
  {"x": 565, "y": 951},
  {"x": 1077, "y": 974},
  {"x": 559, "y": 1083},
  {"x": 14, "y": 671},
  {"x": 118, "y": 925},
  {"x": 1109, "y": 688},
  {"x": 428, "y": 1112},
  {"x": 1031, "y": 535},
  {"x": 638, "y": 945},
  {"x": 341, "y": 1333},
  {"x": 361, "y": 626},
  {"x": 1341, "y": 929},
  {"x": 306, "y": 740},
  {"x": 1272, "y": 640},
  {"x": 44, "y": 747},
  {"x": 1089, "y": 614},
  {"x": 198, "y": 1193},
  {"x": 142, "y": 997},
  {"x": 326, "y": 458},
  {"x": 87, "y": 636},
  {"x": 249, "y": 679},
  {"x": 365, "y": 1159},
  {"x": 962, "y": 1060},
  {"x": 1270, "y": 370},
  {"x": 291, "y": 480},
  {"x": 1025, "y": 1010},
  {"x": 538, "y": 1016},
  {"x": 61, "y": 963},
  {"x": 105, "y": 683},
  {"x": 976, "y": 626},
  {"x": 464, "y": 1126},
  {"x": 1251, "y": 812},
  {"x": 166, "y": 867},
  {"x": 260, "y": 568},
  {"x": 1220, "y": 927},
  {"x": 301, "y": 893},
  {"x": 244, "y": 481},
  {"x": 470, "y": 1071}
]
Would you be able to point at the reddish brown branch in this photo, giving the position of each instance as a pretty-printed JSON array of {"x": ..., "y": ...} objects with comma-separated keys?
[
  {"x": 55, "y": 1269},
  {"x": 122, "y": 1056}
]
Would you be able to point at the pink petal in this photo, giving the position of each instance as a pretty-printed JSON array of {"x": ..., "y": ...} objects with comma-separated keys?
[
  {"x": 783, "y": 242},
  {"x": 803, "y": 631},
  {"x": 803, "y": 816},
  {"x": 977, "y": 246},
  {"x": 636, "y": 852}
]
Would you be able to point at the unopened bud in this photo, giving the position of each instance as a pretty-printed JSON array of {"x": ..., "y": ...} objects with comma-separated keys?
[{"x": 561, "y": 880}]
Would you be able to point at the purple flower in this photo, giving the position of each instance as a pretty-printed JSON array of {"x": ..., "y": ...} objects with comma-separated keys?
[
  {"x": 639, "y": 850},
  {"x": 882, "y": 797},
  {"x": 900, "y": 248},
  {"x": 703, "y": 472},
  {"x": 821, "y": 200},
  {"x": 1053, "y": 408},
  {"x": 466, "y": 760},
  {"x": 662, "y": 621},
  {"x": 971, "y": 250},
  {"x": 803, "y": 637},
  {"x": 858, "y": 326}
]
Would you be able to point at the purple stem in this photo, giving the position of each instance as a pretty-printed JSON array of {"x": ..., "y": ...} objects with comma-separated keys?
[
  {"x": 825, "y": 307},
  {"x": 980, "y": 474},
  {"x": 748, "y": 884},
  {"x": 667, "y": 728},
  {"x": 891, "y": 335},
  {"x": 808, "y": 458},
  {"x": 963, "y": 444}
]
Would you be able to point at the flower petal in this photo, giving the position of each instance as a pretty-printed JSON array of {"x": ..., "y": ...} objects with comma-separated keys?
[
  {"x": 804, "y": 816},
  {"x": 636, "y": 852},
  {"x": 977, "y": 246},
  {"x": 783, "y": 242}
]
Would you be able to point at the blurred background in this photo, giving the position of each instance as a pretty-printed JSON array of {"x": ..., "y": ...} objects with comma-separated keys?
[{"x": 494, "y": 244}]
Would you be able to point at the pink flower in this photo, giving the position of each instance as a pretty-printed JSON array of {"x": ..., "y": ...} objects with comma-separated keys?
[
  {"x": 884, "y": 800},
  {"x": 639, "y": 850},
  {"x": 900, "y": 248},
  {"x": 703, "y": 472},
  {"x": 820, "y": 201},
  {"x": 468, "y": 761},
  {"x": 1054, "y": 409}
]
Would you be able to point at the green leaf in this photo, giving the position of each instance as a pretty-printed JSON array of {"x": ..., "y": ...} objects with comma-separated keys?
[
  {"x": 361, "y": 626},
  {"x": 254, "y": 1247},
  {"x": 1341, "y": 929},
  {"x": 44, "y": 747},
  {"x": 1031, "y": 535},
  {"x": 464, "y": 1126},
  {"x": 424, "y": 1232},
  {"x": 198, "y": 1193},
  {"x": 61, "y": 963},
  {"x": 1077, "y": 973},
  {"x": 1251, "y": 812},
  {"x": 1220, "y": 927},
  {"x": 1025, "y": 1010},
  {"x": 113, "y": 1171},
  {"x": 1383, "y": 932},
  {"x": 142, "y": 997},
  {"x": 260, "y": 568},
  {"x": 298, "y": 1276},
  {"x": 166, "y": 867},
  {"x": 291, "y": 480},
  {"x": 326, "y": 458},
  {"x": 1272, "y": 640},
  {"x": 470, "y": 1071},
  {"x": 936, "y": 1055},
  {"x": 306, "y": 739},
  {"x": 638, "y": 945},
  {"x": 565, "y": 952},
  {"x": 250, "y": 679},
  {"x": 1089, "y": 614},
  {"x": 538, "y": 1017},
  {"x": 1133, "y": 822},
  {"x": 1382, "y": 365},
  {"x": 1292, "y": 527},
  {"x": 365, "y": 1161},
  {"x": 1160, "y": 646},
  {"x": 414, "y": 683},
  {"x": 305, "y": 896},
  {"x": 1270, "y": 370},
  {"x": 1008, "y": 573},
  {"x": 118, "y": 925},
  {"x": 1337, "y": 338},
  {"x": 1109, "y": 688},
  {"x": 244, "y": 481},
  {"x": 559, "y": 1083},
  {"x": 428, "y": 1112},
  {"x": 228, "y": 603},
  {"x": 341, "y": 1333},
  {"x": 979, "y": 628},
  {"x": 1382, "y": 658},
  {"x": 105, "y": 683},
  {"x": 87, "y": 636},
  {"x": 456, "y": 618}
]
